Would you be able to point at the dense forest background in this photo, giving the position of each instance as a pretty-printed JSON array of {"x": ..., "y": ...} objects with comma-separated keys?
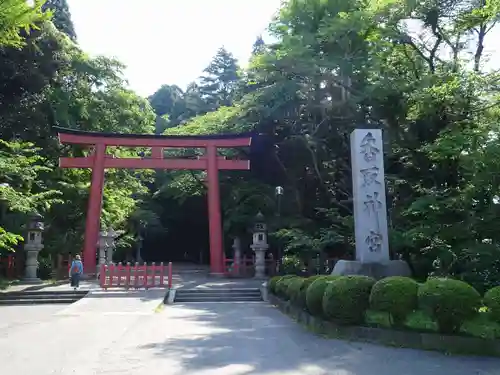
[{"x": 413, "y": 69}]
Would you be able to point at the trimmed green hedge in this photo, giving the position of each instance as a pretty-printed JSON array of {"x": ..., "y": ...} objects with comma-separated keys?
[
  {"x": 294, "y": 287},
  {"x": 282, "y": 286},
  {"x": 492, "y": 302},
  {"x": 315, "y": 292},
  {"x": 346, "y": 299},
  {"x": 302, "y": 297},
  {"x": 397, "y": 296},
  {"x": 440, "y": 303},
  {"x": 449, "y": 302},
  {"x": 271, "y": 285}
]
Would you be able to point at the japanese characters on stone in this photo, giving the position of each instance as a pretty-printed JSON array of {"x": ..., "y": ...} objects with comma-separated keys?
[{"x": 371, "y": 184}]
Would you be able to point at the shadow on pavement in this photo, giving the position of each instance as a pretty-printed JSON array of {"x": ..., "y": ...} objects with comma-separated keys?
[
  {"x": 142, "y": 295},
  {"x": 258, "y": 339}
]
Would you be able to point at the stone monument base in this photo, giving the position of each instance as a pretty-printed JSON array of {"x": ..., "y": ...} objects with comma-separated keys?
[{"x": 375, "y": 270}]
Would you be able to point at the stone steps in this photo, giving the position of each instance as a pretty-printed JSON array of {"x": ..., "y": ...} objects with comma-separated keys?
[
  {"x": 40, "y": 297},
  {"x": 218, "y": 295}
]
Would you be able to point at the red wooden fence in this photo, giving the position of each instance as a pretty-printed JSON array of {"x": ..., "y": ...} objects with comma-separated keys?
[
  {"x": 135, "y": 276},
  {"x": 9, "y": 267},
  {"x": 246, "y": 267}
]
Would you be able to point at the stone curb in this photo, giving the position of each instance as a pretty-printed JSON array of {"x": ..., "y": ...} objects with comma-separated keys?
[
  {"x": 170, "y": 297},
  {"x": 19, "y": 288},
  {"x": 402, "y": 339}
]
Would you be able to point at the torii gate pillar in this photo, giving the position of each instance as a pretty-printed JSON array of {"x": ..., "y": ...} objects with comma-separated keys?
[{"x": 99, "y": 162}]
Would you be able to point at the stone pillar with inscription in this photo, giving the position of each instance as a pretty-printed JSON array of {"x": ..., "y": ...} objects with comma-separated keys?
[{"x": 370, "y": 212}]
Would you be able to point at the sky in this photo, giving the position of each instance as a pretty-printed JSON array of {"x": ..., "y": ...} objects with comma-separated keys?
[
  {"x": 169, "y": 41},
  {"x": 172, "y": 41}
]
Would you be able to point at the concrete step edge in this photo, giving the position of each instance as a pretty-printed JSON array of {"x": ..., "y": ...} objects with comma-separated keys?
[
  {"x": 39, "y": 298},
  {"x": 37, "y": 302},
  {"x": 217, "y": 299},
  {"x": 254, "y": 290},
  {"x": 44, "y": 293}
]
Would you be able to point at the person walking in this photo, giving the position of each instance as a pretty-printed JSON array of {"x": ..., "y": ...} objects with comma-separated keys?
[{"x": 76, "y": 271}]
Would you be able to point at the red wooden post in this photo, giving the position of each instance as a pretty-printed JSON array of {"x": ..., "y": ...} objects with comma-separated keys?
[
  {"x": 214, "y": 214},
  {"x": 153, "y": 271},
  {"x": 102, "y": 276},
  {"x": 94, "y": 210},
  {"x": 136, "y": 275},
  {"x": 128, "y": 271},
  {"x": 119, "y": 272},
  {"x": 157, "y": 152},
  {"x": 145, "y": 275},
  {"x": 169, "y": 275},
  {"x": 162, "y": 274},
  {"x": 111, "y": 274}
]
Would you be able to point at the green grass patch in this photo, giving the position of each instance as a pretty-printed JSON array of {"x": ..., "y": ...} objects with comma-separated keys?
[
  {"x": 481, "y": 326},
  {"x": 5, "y": 283}
]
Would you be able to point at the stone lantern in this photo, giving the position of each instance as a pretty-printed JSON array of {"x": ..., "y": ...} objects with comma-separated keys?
[
  {"x": 102, "y": 245},
  {"x": 260, "y": 245},
  {"x": 33, "y": 245},
  {"x": 109, "y": 243}
]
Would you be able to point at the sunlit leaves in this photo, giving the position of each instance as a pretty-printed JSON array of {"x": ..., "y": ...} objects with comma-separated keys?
[{"x": 17, "y": 15}]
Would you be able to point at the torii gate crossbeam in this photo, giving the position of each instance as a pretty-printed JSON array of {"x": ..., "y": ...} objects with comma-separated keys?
[{"x": 99, "y": 161}]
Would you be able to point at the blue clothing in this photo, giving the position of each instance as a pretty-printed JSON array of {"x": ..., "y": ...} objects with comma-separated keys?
[
  {"x": 75, "y": 280},
  {"x": 76, "y": 264}
]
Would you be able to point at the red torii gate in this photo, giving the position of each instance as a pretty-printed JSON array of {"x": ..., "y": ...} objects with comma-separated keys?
[{"x": 98, "y": 161}]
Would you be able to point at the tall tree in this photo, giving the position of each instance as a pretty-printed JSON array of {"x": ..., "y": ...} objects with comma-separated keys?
[
  {"x": 61, "y": 16},
  {"x": 168, "y": 100},
  {"x": 219, "y": 82},
  {"x": 258, "y": 46}
]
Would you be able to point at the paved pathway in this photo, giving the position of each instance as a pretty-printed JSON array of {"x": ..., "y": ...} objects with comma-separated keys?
[{"x": 121, "y": 334}]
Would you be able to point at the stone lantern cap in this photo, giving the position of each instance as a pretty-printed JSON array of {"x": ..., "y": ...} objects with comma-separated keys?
[
  {"x": 36, "y": 223},
  {"x": 259, "y": 223}
]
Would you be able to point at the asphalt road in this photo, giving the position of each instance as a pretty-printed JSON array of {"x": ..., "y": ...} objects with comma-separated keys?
[{"x": 122, "y": 334}]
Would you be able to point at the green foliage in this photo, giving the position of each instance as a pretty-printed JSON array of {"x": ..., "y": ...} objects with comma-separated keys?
[
  {"x": 397, "y": 296},
  {"x": 291, "y": 264},
  {"x": 220, "y": 80},
  {"x": 346, "y": 299},
  {"x": 282, "y": 286},
  {"x": 22, "y": 192},
  {"x": 44, "y": 271},
  {"x": 294, "y": 287},
  {"x": 301, "y": 300},
  {"x": 17, "y": 15},
  {"x": 492, "y": 301},
  {"x": 332, "y": 66},
  {"x": 449, "y": 302},
  {"x": 271, "y": 285},
  {"x": 61, "y": 16},
  {"x": 315, "y": 292}
]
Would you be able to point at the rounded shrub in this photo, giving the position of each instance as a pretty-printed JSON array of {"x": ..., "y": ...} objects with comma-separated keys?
[
  {"x": 301, "y": 298},
  {"x": 314, "y": 294},
  {"x": 449, "y": 302},
  {"x": 492, "y": 302},
  {"x": 346, "y": 299},
  {"x": 294, "y": 289},
  {"x": 282, "y": 286},
  {"x": 271, "y": 284},
  {"x": 397, "y": 296}
]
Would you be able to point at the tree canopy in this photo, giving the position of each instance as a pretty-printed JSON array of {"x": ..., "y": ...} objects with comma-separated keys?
[{"x": 413, "y": 69}]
